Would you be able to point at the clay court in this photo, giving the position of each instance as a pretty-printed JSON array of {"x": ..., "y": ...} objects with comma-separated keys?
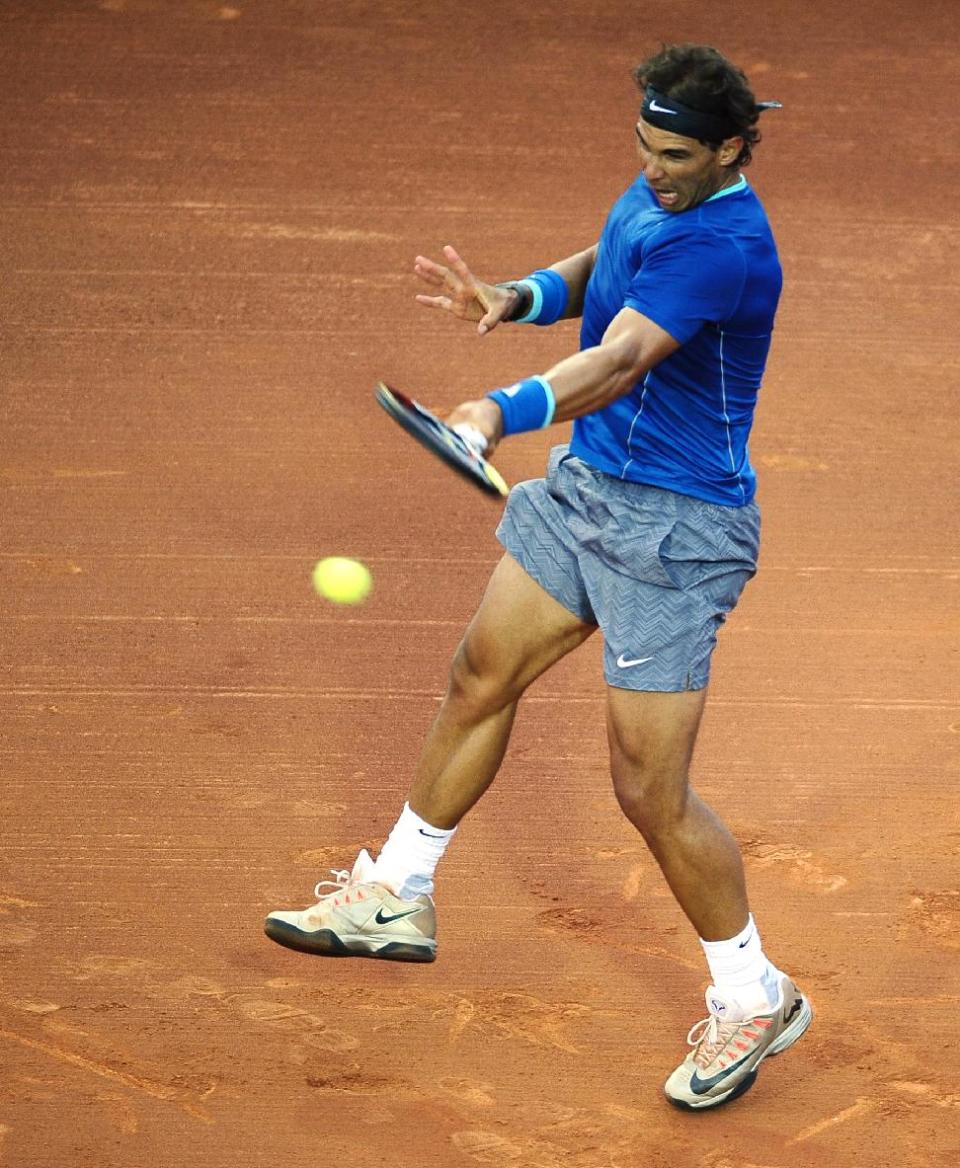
[{"x": 209, "y": 218}]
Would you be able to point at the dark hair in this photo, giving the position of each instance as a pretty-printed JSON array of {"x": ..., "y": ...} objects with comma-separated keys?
[{"x": 703, "y": 79}]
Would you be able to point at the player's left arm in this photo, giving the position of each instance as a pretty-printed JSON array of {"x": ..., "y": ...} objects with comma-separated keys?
[
  {"x": 589, "y": 380},
  {"x": 576, "y": 271}
]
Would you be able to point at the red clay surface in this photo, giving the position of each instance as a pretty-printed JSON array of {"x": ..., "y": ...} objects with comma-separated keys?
[{"x": 209, "y": 215}]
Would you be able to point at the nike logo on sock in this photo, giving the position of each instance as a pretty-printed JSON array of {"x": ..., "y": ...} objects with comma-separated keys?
[{"x": 429, "y": 834}]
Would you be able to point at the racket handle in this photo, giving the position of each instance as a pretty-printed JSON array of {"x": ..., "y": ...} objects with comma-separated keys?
[{"x": 472, "y": 436}]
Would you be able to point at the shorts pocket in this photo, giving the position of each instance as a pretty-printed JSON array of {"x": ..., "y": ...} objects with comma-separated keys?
[
  {"x": 700, "y": 557},
  {"x": 642, "y": 555}
]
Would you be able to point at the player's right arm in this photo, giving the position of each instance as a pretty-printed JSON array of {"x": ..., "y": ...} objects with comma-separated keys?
[{"x": 456, "y": 290}]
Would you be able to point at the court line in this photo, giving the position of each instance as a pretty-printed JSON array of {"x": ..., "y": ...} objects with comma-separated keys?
[
  {"x": 286, "y": 275},
  {"x": 148, "y": 208},
  {"x": 135, "y": 330},
  {"x": 314, "y": 235},
  {"x": 861, "y": 1107},
  {"x": 870, "y": 226},
  {"x": 940, "y": 1000},
  {"x": 931, "y": 629},
  {"x": 242, "y": 620},
  {"x": 943, "y": 564},
  {"x": 379, "y": 695},
  {"x": 144, "y": 1086},
  {"x": 233, "y": 557}
]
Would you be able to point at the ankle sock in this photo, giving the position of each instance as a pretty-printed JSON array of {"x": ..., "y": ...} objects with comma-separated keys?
[
  {"x": 410, "y": 856},
  {"x": 741, "y": 971}
]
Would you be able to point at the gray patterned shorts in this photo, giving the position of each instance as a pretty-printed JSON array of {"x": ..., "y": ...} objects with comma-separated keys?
[{"x": 657, "y": 571}]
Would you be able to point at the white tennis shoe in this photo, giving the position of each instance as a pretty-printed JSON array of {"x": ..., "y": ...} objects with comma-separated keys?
[
  {"x": 728, "y": 1047},
  {"x": 357, "y": 917}
]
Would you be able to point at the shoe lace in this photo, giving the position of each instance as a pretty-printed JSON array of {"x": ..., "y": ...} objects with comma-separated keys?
[
  {"x": 709, "y": 1036},
  {"x": 341, "y": 879}
]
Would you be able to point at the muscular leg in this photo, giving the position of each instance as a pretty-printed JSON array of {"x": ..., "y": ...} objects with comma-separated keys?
[
  {"x": 651, "y": 738},
  {"x": 518, "y": 632}
]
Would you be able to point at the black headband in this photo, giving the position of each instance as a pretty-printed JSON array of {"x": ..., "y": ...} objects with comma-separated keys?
[{"x": 666, "y": 113}]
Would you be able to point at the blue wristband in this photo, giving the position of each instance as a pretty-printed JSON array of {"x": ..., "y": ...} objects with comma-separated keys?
[
  {"x": 550, "y": 295},
  {"x": 528, "y": 405}
]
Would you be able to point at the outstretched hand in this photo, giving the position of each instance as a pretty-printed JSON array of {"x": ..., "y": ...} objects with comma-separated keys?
[{"x": 460, "y": 293}]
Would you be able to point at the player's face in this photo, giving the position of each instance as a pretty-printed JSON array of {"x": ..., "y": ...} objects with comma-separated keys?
[{"x": 683, "y": 172}]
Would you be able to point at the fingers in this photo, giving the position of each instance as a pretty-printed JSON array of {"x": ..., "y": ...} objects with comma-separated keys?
[
  {"x": 480, "y": 422},
  {"x": 472, "y": 436},
  {"x": 495, "y": 313},
  {"x": 443, "y": 302},
  {"x": 461, "y": 269},
  {"x": 456, "y": 290},
  {"x": 497, "y": 307},
  {"x": 430, "y": 272},
  {"x": 455, "y": 278}
]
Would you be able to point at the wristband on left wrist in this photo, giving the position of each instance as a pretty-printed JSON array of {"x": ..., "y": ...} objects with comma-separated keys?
[{"x": 542, "y": 297}]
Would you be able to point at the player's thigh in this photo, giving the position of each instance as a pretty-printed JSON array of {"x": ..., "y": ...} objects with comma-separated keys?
[
  {"x": 518, "y": 631},
  {"x": 652, "y": 737}
]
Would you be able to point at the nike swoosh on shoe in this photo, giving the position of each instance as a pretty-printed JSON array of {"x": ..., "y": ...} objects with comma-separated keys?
[
  {"x": 385, "y": 920},
  {"x": 701, "y": 1086}
]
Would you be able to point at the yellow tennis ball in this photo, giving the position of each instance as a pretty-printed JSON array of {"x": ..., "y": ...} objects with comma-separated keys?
[{"x": 342, "y": 580}]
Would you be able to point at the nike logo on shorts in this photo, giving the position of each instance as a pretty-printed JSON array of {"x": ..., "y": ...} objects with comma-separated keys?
[{"x": 626, "y": 663}]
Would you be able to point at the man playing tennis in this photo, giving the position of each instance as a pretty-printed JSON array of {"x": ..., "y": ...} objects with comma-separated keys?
[{"x": 644, "y": 527}]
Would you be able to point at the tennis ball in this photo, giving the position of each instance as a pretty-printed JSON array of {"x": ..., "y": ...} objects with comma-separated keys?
[{"x": 342, "y": 580}]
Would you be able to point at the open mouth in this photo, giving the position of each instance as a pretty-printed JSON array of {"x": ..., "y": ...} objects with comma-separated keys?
[{"x": 666, "y": 198}]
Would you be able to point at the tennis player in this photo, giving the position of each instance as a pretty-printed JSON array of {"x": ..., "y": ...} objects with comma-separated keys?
[{"x": 644, "y": 527}]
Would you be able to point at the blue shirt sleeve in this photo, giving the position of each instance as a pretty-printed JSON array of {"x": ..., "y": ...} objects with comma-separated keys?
[{"x": 686, "y": 280}]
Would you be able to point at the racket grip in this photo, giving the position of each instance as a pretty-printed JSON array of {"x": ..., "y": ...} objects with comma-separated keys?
[{"x": 472, "y": 436}]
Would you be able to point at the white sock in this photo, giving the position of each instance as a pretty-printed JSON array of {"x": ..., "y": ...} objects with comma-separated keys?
[
  {"x": 411, "y": 854},
  {"x": 740, "y": 970}
]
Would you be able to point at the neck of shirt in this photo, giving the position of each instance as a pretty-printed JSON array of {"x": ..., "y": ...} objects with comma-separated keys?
[{"x": 739, "y": 185}]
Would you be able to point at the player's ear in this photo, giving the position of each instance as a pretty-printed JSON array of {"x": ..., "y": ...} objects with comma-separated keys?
[{"x": 729, "y": 151}]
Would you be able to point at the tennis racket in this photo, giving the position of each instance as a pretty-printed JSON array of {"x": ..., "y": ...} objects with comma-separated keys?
[{"x": 461, "y": 449}]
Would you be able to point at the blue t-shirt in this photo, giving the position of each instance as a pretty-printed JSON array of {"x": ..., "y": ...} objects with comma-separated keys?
[{"x": 711, "y": 278}]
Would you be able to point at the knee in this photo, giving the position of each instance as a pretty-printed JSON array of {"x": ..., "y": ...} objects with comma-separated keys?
[
  {"x": 651, "y": 794},
  {"x": 478, "y": 682},
  {"x": 651, "y": 738}
]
